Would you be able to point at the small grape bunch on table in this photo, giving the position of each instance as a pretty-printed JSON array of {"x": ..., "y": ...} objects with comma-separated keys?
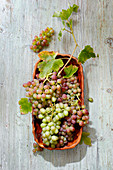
[{"x": 43, "y": 40}]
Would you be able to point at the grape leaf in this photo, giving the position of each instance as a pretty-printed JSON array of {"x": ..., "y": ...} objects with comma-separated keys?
[
  {"x": 68, "y": 25},
  {"x": 60, "y": 35},
  {"x": 70, "y": 70},
  {"x": 75, "y": 8},
  {"x": 57, "y": 64},
  {"x": 45, "y": 55},
  {"x": 25, "y": 106},
  {"x": 63, "y": 22},
  {"x": 65, "y": 14},
  {"x": 56, "y": 14},
  {"x": 85, "y": 139},
  {"x": 86, "y": 53},
  {"x": 46, "y": 67}
]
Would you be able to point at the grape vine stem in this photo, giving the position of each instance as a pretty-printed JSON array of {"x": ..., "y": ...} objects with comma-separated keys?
[
  {"x": 76, "y": 45},
  {"x": 68, "y": 60}
]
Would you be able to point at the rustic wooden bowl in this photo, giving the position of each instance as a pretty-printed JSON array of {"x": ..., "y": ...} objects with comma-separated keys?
[{"x": 36, "y": 129}]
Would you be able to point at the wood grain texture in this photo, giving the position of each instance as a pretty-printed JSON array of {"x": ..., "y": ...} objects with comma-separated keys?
[{"x": 20, "y": 20}]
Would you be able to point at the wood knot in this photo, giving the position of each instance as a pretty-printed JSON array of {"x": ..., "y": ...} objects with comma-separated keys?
[
  {"x": 109, "y": 41},
  {"x": 109, "y": 90}
]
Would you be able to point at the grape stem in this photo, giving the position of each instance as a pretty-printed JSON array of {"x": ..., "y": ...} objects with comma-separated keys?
[
  {"x": 47, "y": 78},
  {"x": 68, "y": 31},
  {"x": 76, "y": 45},
  {"x": 68, "y": 60}
]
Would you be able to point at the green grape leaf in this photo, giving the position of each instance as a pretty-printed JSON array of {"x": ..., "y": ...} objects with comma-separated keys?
[
  {"x": 45, "y": 55},
  {"x": 57, "y": 64},
  {"x": 68, "y": 25},
  {"x": 63, "y": 22},
  {"x": 60, "y": 35},
  {"x": 85, "y": 138},
  {"x": 86, "y": 53},
  {"x": 56, "y": 14},
  {"x": 75, "y": 8},
  {"x": 25, "y": 106},
  {"x": 70, "y": 70},
  {"x": 98, "y": 55},
  {"x": 65, "y": 14},
  {"x": 46, "y": 67}
]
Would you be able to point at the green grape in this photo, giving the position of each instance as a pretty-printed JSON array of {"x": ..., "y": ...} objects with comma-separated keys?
[
  {"x": 40, "y": 116},
  {"x": 58, "y": 110},
  {"x": 47, "y": 143},
  {"x": 65, "y": 113},
  {"x": 54, "y": 138},
  {"x": 42, "y": 110},
  {"x": 48, "y": 96},
  {"x": 61, "y": 105},
  {"x": 53, "y": 99},
  {"x": 56, "y": 117},
  {"x": 48, "y": 109},
  {"x": 45, "y": 140},
  {"x": 44, "y": 120},
  {"x": 58, "y": 127},
  {"x": 56, "y": 131},
  {"x": 52, "y": 146},
  {"x": 51, "y": 124},
  {"x": 58, "y": 122},
  {"x": 60, "y": 115},
  {"x": 57, "y": 105},
  {"x": 47, "y": 128},
  {"x": 65, "y": 105},
  {"x": 47, "y": 133},
  {"x": 48, "y": 119},
  {"x": 44, "y": 129},
  {"x": 51, "y": 132},
  {"x": 53, "y": 128},
  {"x": 67, "y": 108},
  {"x": 43, "y": 125}
]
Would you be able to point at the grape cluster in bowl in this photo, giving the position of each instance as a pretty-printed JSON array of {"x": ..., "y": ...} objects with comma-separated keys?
[
  {"x": 56, "y": 103},
  {"x": 43, "y": 40}
]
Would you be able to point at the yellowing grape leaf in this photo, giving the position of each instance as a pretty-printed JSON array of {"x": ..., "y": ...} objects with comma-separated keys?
[
  {"x": 46, "y": 55},
  {"x": 25, "y": 106}
]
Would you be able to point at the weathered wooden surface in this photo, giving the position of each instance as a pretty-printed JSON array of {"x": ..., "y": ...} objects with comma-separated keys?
[{"x": 20, "y": 20}]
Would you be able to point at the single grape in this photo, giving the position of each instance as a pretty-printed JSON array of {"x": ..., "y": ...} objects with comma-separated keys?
[
  {"x": 43, "y": 125},
  {"x": 65, "y": 113},
  {"x": 43, "y": 95},
  {"x": 73, "y": 122},
  {"x": 53, "y": 99},
  {"x": 81, "y": 123},
  {"x": 54, "y": 138},
  {"x": 73, "y": 117},
  {"x": 72, "y": 129},
  {"x": 79, "y": 113},
  {"x": 42, "y": 110},
  {"x": 53, "y": 128}
]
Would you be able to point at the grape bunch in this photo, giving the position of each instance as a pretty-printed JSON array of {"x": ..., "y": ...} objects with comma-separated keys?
[
  {"x": 43, "y": 40},
  {"x": 56, "y": 103}
]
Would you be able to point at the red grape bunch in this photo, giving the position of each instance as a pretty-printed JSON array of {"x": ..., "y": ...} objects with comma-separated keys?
[{"x": 43, "y": 40}]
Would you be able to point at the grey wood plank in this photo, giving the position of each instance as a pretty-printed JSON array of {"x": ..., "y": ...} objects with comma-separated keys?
[{"x": 20, "y": 21}]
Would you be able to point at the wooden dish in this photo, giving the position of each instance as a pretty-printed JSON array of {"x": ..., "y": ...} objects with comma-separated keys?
[{"x": 36, "y": 129}]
